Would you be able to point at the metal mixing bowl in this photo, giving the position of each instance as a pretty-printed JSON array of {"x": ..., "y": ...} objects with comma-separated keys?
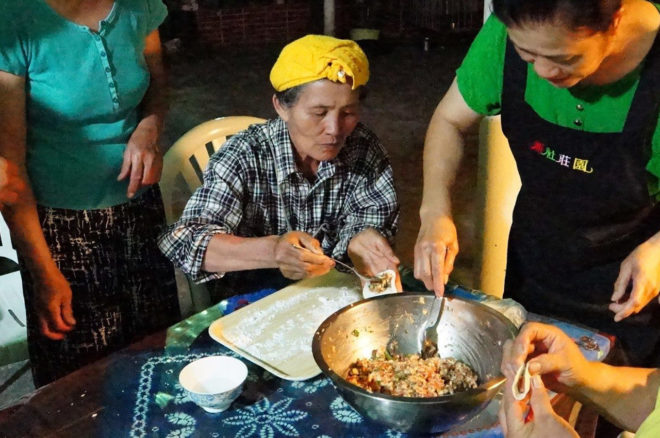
[{"x": 468, "y": 331}]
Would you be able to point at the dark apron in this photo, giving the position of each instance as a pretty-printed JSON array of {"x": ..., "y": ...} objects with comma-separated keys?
[{"x": 583, "y": 207}]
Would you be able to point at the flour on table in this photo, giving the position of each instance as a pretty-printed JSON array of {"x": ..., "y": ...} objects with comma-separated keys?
[{"x": 284, "y": 330}]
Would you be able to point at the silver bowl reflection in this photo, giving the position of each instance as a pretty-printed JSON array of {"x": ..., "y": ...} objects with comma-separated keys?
[{"x": 468, "y": 331}]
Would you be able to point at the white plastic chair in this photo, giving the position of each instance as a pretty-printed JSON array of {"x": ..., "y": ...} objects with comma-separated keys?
[
  {"x": 498, "y": 184},
  {"x": 13, "y": 334},
  {"x": 183, "y": 167}
]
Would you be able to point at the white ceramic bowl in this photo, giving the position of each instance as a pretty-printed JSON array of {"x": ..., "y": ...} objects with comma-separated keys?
[{"x": 214, "y": 382}]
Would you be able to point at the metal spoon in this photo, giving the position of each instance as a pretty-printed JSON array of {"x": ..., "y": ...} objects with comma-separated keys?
[
  {"x": 362, "y": 277},
  {"x": 428, "y": 339}
]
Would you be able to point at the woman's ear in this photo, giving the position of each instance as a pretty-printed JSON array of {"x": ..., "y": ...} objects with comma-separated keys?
[
  {"x": 280, "y": 109},
  {"x": 616, "y": 20}
]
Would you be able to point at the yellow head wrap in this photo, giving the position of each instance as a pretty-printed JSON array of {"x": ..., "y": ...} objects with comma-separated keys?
[{"x": 315, "y": 57}]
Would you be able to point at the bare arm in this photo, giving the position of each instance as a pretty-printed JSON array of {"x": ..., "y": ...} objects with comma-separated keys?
[
  {"x": 12, "y": 187},
  {"x": 154, "y": 104},
  {"x": 143, "y": 158},
  {"x": 437, "y": 244},
  {"x": 626, "y": 396},
  {"x": 226, "y": 253},
  {"x": 53, "y": 294}
]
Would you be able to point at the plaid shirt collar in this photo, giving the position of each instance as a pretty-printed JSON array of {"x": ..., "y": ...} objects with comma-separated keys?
[{"x": 285, "y": 163}]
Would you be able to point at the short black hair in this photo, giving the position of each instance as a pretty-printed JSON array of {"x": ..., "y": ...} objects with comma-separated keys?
[
  {"x": 289, "y": 97},
  {"x": 596, "y": 15}
]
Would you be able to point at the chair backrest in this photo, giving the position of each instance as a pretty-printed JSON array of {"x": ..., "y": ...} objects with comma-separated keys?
[
  {"x": 498, "y": 184},
  {"x": 185, "y": 162},
  {"x": 13, "y": 334}
]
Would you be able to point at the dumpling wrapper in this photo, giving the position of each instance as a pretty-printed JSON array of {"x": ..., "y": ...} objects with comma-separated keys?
[
  {"x": 521, "y": 374},
  {"x": 368, "y": 292}
]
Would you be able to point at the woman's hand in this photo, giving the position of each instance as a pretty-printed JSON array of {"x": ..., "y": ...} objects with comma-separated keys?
[
  {"x": 371, "y": 254},
  {"x": 550, "y": 353},
  {"x": 12, "y": 186},
  {"x": 541, "y": 422},
  {"x": 642, "y": 269},
  {"x": 143, "y": 159},
  {"x": 305, "y": 261},
  {"x": 435, "y": 252},
  {"x": 52, "y": 305}
]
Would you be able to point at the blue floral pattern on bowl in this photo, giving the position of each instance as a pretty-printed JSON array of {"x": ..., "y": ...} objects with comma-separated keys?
[{"x": 215, "y": 402}]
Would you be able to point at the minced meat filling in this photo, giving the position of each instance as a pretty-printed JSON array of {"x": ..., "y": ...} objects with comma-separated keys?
[
  {"x": 411, "y": 376},
  {"x": 381, "y": 283}
]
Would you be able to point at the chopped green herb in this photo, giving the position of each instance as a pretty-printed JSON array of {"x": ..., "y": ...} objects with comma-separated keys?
[{"x": 355, "y": 333}]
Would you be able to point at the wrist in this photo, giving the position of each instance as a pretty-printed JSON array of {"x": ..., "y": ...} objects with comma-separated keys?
[
  {"x": 42, "y": 271},
  {"x": 272, "y": 242},
  {"x": 151, "y": 124},
  {"x": 592, "y": 379},
  {"x": 436, "y": 204},
  {"x": 427, "y": 215}
]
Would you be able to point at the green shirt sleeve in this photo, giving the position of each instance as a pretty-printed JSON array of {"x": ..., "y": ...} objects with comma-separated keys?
[
  {"x": 653, "y": 166},
  {"x": 481, "y": 73},
  {"x": 651, "y": 426}
]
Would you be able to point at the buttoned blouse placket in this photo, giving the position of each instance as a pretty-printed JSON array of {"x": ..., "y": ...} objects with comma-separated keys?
[
  {"x": 98, "y": 39},
  {"x": 100, "y": 44}
]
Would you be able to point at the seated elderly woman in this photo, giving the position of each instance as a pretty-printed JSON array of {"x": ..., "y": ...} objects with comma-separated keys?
[{"x": 286, "y": 194}]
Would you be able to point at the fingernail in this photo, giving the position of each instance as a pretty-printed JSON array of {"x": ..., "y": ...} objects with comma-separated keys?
[
  {"x": 536, "y": 381},
  {"x": 534, "y": 367}
]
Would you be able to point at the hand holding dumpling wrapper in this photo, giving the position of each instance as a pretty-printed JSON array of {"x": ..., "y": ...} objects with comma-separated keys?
[{"x": 521, "y": 383}]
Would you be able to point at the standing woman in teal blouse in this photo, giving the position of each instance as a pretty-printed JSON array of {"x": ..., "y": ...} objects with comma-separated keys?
[
  {"x": 577, "y": 85},
  {"x": 81, "y": 84}
]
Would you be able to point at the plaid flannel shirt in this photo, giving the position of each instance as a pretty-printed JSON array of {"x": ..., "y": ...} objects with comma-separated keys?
[{"x": 252, "y": 188}]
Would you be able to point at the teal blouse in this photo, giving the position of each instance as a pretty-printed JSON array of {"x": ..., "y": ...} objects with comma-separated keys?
[{"x": 83, "y": 94}]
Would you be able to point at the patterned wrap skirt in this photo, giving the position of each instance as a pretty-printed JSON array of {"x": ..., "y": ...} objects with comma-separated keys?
[{"x": 123, "y": 287}]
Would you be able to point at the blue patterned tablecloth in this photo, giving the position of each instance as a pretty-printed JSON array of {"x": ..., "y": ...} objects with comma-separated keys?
[
  {"x": 144, "y": 398},
  {"x": 153, "y": 404}
]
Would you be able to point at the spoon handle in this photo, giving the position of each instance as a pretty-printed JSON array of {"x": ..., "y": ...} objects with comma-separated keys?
[{"x": 338, "y": 262}]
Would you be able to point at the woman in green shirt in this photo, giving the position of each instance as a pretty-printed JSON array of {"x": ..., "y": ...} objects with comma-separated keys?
[{"x": 576, "y": 84}]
